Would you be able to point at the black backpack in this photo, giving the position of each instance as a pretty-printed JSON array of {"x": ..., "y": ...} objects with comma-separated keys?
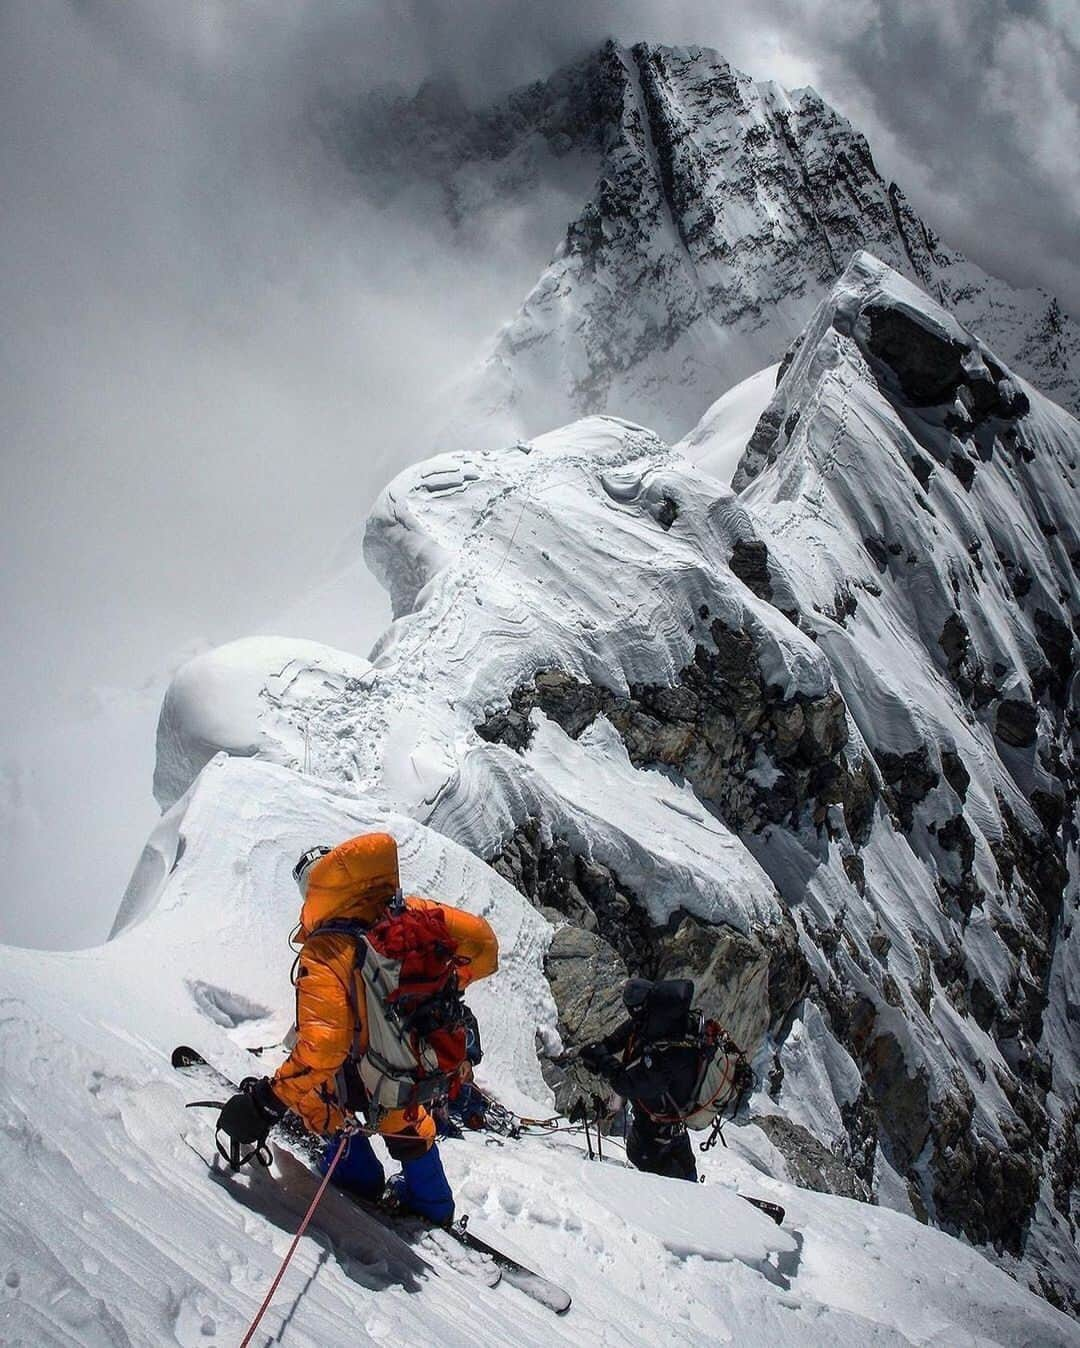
[
  {"x": 663, "y": 1056},
  {"x": 679, "y": 1067}
]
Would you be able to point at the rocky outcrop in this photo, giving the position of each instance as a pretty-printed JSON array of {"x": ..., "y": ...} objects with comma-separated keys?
[
  {"x": 747, "y": 982},
  {"x": 809, "y": 1163},
  {"x": 753, "y": 755},
  {"x": 974, "y": 587}
]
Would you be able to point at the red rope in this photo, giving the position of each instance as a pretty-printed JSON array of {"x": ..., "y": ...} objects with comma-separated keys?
[{"x": 296, "y": 1241}]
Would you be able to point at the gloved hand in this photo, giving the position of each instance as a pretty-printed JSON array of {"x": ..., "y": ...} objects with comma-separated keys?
[
  {"x": 601, "y": 1060},
  {"x": 249, "y": 1115}
]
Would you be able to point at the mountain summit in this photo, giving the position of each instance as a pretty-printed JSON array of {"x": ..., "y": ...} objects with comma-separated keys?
[{"x": 715, "y": 214}]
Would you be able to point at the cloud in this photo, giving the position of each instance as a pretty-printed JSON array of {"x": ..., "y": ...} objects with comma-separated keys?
[{"x": 974, "y": 110}]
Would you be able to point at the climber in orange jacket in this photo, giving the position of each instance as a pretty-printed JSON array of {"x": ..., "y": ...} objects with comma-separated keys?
[{"x": 379, "y": 1021}]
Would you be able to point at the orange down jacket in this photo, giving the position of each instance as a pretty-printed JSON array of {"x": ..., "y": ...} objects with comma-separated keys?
[{"x": 355, "y": 881}]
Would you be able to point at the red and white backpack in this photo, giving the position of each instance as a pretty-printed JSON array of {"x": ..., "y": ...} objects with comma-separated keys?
[{"x": 405, "y": 991}]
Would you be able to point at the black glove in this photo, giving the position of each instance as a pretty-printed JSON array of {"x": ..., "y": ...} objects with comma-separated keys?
[
  {"x": 249, "y": 1115},
  {"x": 601, "y": 1060}
]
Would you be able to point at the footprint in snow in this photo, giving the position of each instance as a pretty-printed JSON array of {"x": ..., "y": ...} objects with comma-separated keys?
[
  {"x": 511, "y": 1200},
  {"x": 545, "y": 1215},
  {"x": 192, "y": 1322}
]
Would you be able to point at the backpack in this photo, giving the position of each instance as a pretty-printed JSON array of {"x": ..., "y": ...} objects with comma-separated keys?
[
  {"x": 678, "y": 1066},
  {"x": 405, "y": 980}
]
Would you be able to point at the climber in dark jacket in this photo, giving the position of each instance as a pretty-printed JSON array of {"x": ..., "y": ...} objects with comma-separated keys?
[{"x": 651, "y": 1061}]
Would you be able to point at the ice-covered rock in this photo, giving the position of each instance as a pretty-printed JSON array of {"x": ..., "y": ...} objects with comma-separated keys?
[
  {"x": 705, "y": 217},
  {"x": 922, "y": 499}
]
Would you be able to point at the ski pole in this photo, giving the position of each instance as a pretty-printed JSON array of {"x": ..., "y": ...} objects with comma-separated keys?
[{"x": 296, "y": 1241}]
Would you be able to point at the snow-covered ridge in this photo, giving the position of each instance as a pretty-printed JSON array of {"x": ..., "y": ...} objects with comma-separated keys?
[
  {"x": 500, "y": 565},
  {"x": 921, "y": 499},
  {"x": 707, "y": 216},
  {"x": 800, "y": 731},
  {"x": 742, "y": 737}
]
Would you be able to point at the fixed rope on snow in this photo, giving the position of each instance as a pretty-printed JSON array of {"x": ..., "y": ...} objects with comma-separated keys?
[{"x": 342, "y": 1144}]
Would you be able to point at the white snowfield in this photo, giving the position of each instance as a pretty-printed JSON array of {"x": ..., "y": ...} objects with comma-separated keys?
[
  {"x": 598, "y": 551},
  {"x": 718, "y": 442},
  {"x": 114, "y": 1230}
]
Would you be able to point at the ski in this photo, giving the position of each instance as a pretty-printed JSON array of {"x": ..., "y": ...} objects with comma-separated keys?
[
  {"x": 291, "y": 1133},
  {"x": 518, "y": 1275}
]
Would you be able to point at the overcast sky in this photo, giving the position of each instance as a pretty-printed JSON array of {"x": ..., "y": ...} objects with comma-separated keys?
[{"x": 212, "y": 353}]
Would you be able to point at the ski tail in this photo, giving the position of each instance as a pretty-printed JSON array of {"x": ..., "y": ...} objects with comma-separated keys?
[{"x": 518, "y": 1275}]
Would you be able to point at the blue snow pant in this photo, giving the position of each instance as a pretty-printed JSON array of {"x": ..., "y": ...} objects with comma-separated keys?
[
  {"x": 359, "y": 1171},
  {"x": 422, "y": 1186}
]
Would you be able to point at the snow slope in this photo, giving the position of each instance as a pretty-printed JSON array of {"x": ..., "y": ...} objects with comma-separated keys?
[
  {"x": 719, "y": 440},
  {"x": 112, "y": 1230}
]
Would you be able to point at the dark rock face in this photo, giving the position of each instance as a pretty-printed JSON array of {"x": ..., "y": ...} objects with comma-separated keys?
[
  {"x": 1065, "y": 1166},
  {"x": 987, "y": 1192},
  {"x": 927, "y": 367},
  {"x": 1056, "y": 639},
  {"x": 955, "y": 641},
  {"x": 750, "y": 562},
  {"x": 902, "y": 1099},
  {"x": 963, "y": 665},
  {"x": 933, "y": 370},
  {"x": 964, "y": 469},
  {"x": 878, "y": 550},
  {"x": 910, "y": 778},
  {"x": 1016, "y": 723},
  {"x": 810, "y": 1164},
  {"x": 958, "y": 777},
  {"x": 711, "y": 727},
  {"x": 746, "y": 981}
]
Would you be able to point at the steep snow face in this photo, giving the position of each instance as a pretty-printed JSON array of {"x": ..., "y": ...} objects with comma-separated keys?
[
  {"x": 720, "y": 439},
  {"x": 921, "y": 499},
  {"x": 114, "y": 1229},
  {"x": 717, "y": 214}
]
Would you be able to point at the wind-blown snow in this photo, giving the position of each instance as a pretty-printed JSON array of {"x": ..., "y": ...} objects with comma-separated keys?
[
  {"x": 225, "y": 699},
  {"x": 501, "y": 564},
  {"x": 719, "y": 440}
]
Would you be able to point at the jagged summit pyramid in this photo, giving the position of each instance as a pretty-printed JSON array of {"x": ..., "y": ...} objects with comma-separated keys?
[{"x": 716, "y": 213}]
